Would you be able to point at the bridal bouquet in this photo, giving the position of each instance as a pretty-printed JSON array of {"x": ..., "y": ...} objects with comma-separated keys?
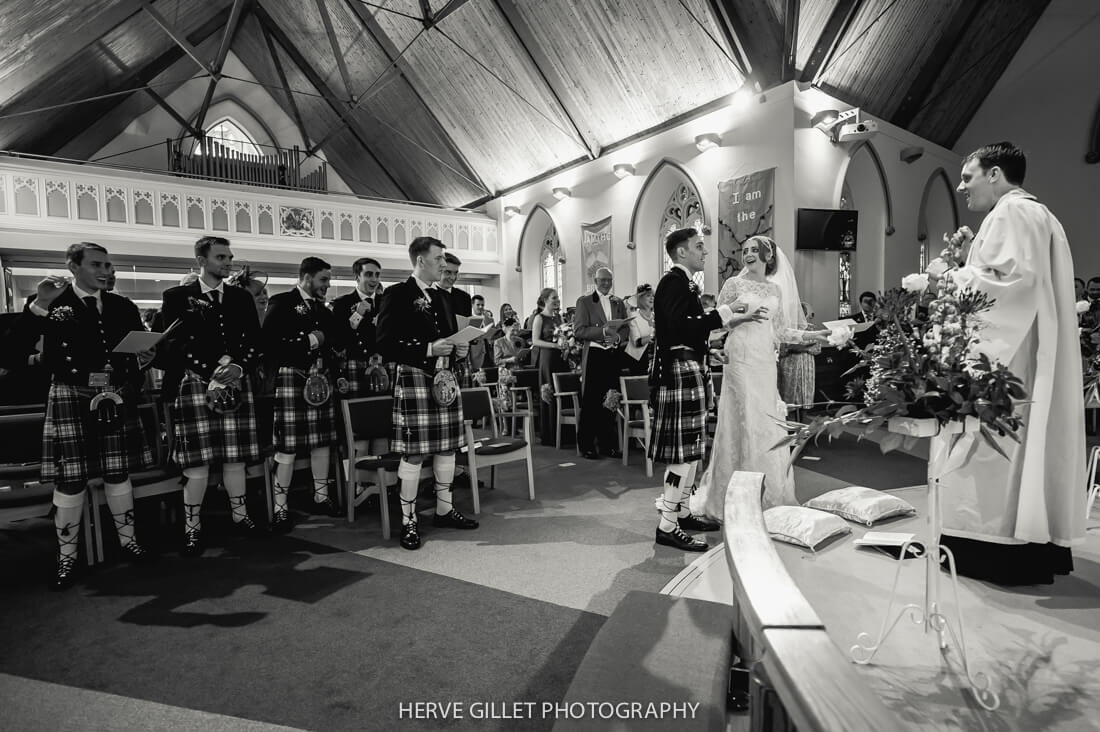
[
  {"x": 567, "y": 341},
  {"x": 926, "y": 362}
]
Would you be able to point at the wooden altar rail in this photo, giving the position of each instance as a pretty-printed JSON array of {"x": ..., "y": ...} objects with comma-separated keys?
[
  {"x": 282, "y": 169},
  {"x": 816, "y": 684}
]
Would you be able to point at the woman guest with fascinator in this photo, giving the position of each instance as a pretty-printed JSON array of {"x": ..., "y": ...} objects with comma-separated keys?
[{"x": 640, "y": 346}]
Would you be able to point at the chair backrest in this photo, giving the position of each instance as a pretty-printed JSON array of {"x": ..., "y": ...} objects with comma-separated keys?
[
  {"x": 527, "y": 377},
  {"x": 368, "y": 417},
  {"x": 492, "y": 375},
  {"x": 21, "y": 438},
  {"x": 149, "y": 417},
  {"x": 634, "y": 388},
  {"x": 477, "y": 403},
  {"x": 716, "y": 381},
  {"x": 22, "y": 409},
  {"x": 566, "y": 381}
]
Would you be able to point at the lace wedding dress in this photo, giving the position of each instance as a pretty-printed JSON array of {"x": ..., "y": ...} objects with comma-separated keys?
[{"x": 749, "y": 404}]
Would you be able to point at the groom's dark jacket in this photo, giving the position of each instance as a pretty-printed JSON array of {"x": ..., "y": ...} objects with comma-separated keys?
[{"x": 679, "y": 321}]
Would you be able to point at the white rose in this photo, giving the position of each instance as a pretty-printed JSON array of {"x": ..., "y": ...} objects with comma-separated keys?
[
  {"x": 915, "y": 282},
  {"x": 1082, "y": 306},
  {"x": 840, "y": 336},
  {"x": 936, "y": 267}
]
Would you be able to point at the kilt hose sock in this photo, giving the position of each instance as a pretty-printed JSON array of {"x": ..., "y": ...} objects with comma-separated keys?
[
  {"x": 668, "y": 504},
  {"x": 235, "y": 487},
  {"x": 66, "y": 521},
  {"x": 120, "y": 500},
  {"x": 687, "y": 485},
  {"x": 409, "y": 475},
  {"x": 194, "y": 490},
  {"x": 443, "y": 466},
  {"x": 318, "y": 465},
  {"x": 284, "y": 474}
]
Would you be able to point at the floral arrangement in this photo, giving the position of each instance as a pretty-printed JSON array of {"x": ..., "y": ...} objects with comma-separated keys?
[
  {"x": 546, "y": 393},
  {"x": 505, "y": 377},
  {"x": 1089, "y": 328},
  {"x": 612, "y": 400},
  {"x": 62, "y": 314},
  {"x": 198, "y": 304},
  {"x": 926, "y": 362},
  {"x": 571, "y": 348}
]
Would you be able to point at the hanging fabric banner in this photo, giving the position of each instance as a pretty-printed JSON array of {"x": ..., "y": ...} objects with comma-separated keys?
[
  {"x": 595, "y": 248},
  {"x": 745, "y": 208}
]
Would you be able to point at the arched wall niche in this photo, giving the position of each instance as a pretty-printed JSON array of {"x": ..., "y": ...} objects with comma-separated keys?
[
  {"x": 868, "y": 147},
  {"x": 927, "y": 198},
  {"x": 645, "y": 220},
  {"x": 863, "y": 177}
]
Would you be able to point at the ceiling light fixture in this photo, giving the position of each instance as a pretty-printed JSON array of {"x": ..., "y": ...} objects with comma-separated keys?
[
  {"x": 824, "y": 120},
  {"x": 623, "y": 170},
  {"x": 707, "y": 140},
  {"x": 562, "y": 192},
  {"x": 511, "y": 211}
]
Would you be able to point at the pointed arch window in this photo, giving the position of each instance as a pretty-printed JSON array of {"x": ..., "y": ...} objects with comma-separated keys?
[
  {"x": 550, "y": 257},
  {"x": 229, "y": 134},
  {"x": 683, "y": 210}
]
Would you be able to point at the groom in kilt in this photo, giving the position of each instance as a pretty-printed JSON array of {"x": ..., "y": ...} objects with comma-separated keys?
[
  {"x": 215, "y": 344},
  {"x": 91, "y": 428},
  {"x": 413, "y": 325},
  {"x": 301, "y": 338},
  {"x": 680, "y": 387}
]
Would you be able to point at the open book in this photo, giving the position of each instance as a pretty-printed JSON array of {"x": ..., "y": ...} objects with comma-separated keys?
[{"x": 890, "y": 542}]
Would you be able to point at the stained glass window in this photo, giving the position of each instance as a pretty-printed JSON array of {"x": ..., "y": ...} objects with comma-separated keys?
[
  {"x": 229, "y": 134},
  {"x": 844, "y": 262},
  {"x": 682, "y": 210},
  {"x": 551, "y": 260}
]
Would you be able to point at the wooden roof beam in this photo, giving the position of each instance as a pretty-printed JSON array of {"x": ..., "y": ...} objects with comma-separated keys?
[
  {"x": 323, "y": 89},
  {"x": 446, "y": 10},
  {"x": 341, "y": 64},
  {"x": 790, "y": 39},
  {"x": 175, "y": 36},
  {"x": 74, "y": 124},
  {"x": 394, "y": 57},
  {"x": 223, "y": 51},
  {"x": 954, "y": 29},
  {"x": 554, "y": 83},
  {"x": 149, "y": 90},
  {"x": 752, "y": 27},
  {"x": 840, "y": 20},
  {"x": 295, "y": 112}
]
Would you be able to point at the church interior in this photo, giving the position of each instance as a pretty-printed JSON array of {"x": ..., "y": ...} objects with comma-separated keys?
[{"x": 542, "y": 143}]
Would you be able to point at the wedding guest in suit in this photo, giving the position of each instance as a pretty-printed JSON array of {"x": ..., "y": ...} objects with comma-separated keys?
[
  {"x": 81, "y": 323},
  {"x": 601, "y": 364},
  {"x": 413, "y": 327},
  {"x": 868, "y": 303},
  {"x": 481, "y": 349},
  {"x": 301, "y": 338},
  {"x": 214, "y": 347}
]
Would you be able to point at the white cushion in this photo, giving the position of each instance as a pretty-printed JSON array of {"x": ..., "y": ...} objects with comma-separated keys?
[
  {"x": 802, "y": 526},
  {"x": 860, "y": 504}
]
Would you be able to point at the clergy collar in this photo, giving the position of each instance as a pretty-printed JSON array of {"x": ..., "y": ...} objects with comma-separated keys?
[
  {"x": 82, "y": 294},
  {"x": 205, "y": 288}
]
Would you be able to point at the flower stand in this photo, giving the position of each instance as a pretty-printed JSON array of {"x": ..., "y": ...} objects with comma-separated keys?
[{"x": 948, "y": 449}]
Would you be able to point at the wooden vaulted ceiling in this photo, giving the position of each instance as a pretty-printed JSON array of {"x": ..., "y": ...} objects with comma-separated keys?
[{"x": 487, "y": 94}]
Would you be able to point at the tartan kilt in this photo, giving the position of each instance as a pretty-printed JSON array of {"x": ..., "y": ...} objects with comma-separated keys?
[
  {"x": 420, "y": 426},
  {"x": 679, "y": 431},
  {"x": 355, "y": 371},
  {"x": 299, "y": 426},
  {"x": 73, "y": 449},
  {"x": 204, "y": 437}
]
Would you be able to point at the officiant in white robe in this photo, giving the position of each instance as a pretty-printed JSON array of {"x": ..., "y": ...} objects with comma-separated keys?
[{"x": 1012, "y": 521}]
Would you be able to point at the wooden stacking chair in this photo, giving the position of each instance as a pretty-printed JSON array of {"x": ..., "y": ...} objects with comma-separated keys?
[
  {"x": 493, "y": 449},
  {"x": 635, "y": 419},
  {"x": 567, "y": 394},
  {"x": 368, "y": 418}
]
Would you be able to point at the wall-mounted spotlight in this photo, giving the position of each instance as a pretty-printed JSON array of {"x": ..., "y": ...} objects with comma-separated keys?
[
  {"x": 707, "y": 140},
  {"x": 562, "y": 192},
  {"x": 510, "y": 211},
  {"x": 623, "y": 170},
  {"x": 824, "y": 121}
]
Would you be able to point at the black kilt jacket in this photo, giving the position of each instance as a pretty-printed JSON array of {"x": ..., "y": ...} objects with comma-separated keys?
[
  {"x": 287, "y": 325},
  {"x": 409, "y": 321},
  {"x": 206, "y": 331},
  {"x": 362, "y": 342},
  {"x": 78, "y": 341},
  {"x": 678, "y": 320}
]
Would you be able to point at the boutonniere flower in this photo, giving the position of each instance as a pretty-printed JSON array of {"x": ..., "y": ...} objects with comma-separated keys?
[
  {"x": 62, "y": 314},
  {"x": 694, "y": 289},
  {"x": 422, "y": 304},
  {"x": 301, "y": 309},
  {"x": 197, "y": 304}
]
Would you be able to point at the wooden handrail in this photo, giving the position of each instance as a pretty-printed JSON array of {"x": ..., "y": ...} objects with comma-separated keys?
[{"x": 816, "y": 683}]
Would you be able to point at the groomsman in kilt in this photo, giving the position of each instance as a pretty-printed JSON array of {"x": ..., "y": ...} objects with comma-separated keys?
[
  {"x": 680, "y": 387},
  {"x": 413, "y": 324},
  {"x": 91, "y": 410},
  {"x": 215, "y": 344},
  {"x": 301, "y": 337},
  {"x": 356, "y": 313}
]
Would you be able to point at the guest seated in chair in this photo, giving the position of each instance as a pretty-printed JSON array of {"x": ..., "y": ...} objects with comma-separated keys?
[{"x": 506, "y": 349}]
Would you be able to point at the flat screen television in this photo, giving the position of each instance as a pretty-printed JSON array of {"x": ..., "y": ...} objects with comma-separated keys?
[{"x": 827, "y": 229}]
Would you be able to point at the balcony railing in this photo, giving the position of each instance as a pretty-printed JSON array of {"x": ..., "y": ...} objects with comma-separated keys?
[{"x": 214, "y": 161}]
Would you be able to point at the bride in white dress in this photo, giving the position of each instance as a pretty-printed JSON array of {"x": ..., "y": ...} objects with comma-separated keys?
[{"x": 749, "y": 405}]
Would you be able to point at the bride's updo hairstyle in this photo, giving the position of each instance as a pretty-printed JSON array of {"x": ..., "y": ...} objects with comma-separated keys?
[{"x": 767, "y": 251}]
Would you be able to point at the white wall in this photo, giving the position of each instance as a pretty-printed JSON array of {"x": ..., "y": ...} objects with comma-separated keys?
[
  {"x": 249, "y": 103},
  {"x": 1045, "y": 102}
]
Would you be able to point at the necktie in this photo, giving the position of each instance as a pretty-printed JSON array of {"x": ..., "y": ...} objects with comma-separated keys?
[
  {"x": 92, "y": 303},
  {"x": 215, "y": 296}
]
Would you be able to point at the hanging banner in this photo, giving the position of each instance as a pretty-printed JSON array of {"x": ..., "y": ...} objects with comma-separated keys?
[
  {"x": 745, "y": 209},
  {"x": 595, "y": 248}
]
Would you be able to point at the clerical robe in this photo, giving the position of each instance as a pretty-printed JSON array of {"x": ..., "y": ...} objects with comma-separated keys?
[{"x": 1020, "y": 257}]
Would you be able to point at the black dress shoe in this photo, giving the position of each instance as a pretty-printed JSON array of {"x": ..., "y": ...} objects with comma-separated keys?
[
  {"x": 280, "y": 521},
  {"x": 698, "y": 523},
  {"x": 192, "y": 543},
  {"x": 453, "y": 520},
  {"x": 136, "y": 553},
  {"x": 591, "y": 455},
  {"x": 328, "y": 507},
  {"x": 247, "y": 527},
  {"x": 614, "y": 453},
  {"x": 678, "y": 539},
  {"x": 66, "y": 573},
  {"x": 410, "y": 536}
]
